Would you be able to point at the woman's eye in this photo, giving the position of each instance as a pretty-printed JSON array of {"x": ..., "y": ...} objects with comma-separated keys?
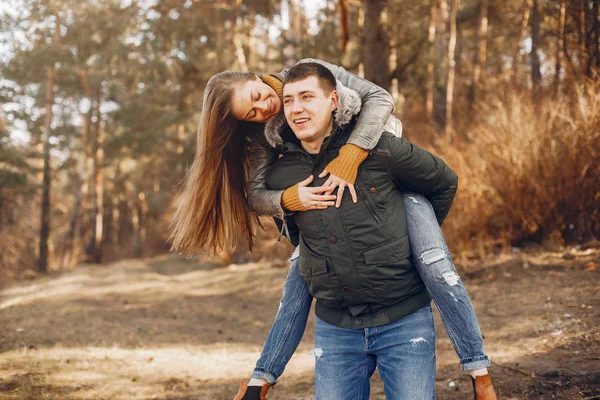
[
  {"x": 306, "y": 96},
  {"x": 287, "y": 102}
]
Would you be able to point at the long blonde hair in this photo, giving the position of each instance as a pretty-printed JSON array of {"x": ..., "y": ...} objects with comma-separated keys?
[{"x": 212, "y": 209}]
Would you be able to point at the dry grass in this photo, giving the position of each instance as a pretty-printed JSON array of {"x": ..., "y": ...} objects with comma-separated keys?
[{"x": 529, "y": 172}]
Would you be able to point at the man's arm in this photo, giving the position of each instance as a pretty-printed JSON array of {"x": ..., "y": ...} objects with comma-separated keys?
[{"x": 418, "y": 170}]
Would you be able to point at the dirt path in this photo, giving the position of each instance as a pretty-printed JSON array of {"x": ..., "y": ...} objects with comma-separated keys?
[{"x": 167, "y": 328}]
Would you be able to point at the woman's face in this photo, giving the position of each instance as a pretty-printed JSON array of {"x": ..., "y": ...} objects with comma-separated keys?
[{"x": 255, "y": 101}]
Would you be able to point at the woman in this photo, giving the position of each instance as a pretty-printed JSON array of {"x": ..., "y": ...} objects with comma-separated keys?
[{"x": 214, "y": 205}]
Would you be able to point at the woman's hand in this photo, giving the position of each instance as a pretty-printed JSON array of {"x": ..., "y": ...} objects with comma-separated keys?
[
  {"x": 337, "y": 182},
  {"x": 310, "y": 197}
]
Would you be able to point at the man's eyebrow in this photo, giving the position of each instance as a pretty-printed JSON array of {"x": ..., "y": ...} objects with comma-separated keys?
[{"x": 300, "y": 93}]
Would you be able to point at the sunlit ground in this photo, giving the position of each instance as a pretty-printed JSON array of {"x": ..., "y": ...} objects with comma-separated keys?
[{"x": 169, "y": 328}]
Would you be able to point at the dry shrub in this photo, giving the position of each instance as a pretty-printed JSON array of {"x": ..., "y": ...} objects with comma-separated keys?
[{"x": 528, "y": 172}]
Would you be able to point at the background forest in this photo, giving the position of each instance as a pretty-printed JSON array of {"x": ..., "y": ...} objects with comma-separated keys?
[
  {"x": 100, "y": 101},
  {"x": 99, "y": 106}
]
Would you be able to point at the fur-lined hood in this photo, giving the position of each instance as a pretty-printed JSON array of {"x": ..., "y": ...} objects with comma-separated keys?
[{"x": 349, "y": 105}]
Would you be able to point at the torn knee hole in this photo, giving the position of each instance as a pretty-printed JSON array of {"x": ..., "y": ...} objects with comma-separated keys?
[
  {"x": 433, "y": 255},
  {"x": 451, "y": 278}
]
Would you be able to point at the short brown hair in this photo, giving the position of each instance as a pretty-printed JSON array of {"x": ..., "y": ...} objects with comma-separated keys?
[{"x": 302, "y": 71}]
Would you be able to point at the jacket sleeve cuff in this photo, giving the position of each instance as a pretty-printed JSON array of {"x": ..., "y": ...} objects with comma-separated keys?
[
  {"x": 346, "y": 164},
  {"x": 290, "y": 199}
]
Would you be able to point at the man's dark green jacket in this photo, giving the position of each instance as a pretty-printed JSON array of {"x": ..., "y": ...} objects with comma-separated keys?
[{"x": 356, "y": 258}]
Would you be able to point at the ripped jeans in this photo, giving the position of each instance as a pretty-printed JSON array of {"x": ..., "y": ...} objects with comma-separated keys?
[
  {"x": 432, "y": 260},
  {"x": 403, "y": 351}
]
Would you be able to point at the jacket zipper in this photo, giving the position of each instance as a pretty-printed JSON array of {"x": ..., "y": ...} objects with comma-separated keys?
[
  {"x": 371, "y": 210},
  {"x": 380, "y": 152}
]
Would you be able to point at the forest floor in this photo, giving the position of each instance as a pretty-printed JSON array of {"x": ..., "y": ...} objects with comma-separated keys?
[{"x": 170, "y": 328}]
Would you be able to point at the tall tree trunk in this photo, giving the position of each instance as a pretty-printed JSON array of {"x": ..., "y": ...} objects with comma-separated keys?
[
  {"x": 376, "y": 49},
  {"x": 517, "y": 57},
  {"x": 582, "y": 37},
  {"x": 433, "y": 11},
  {"x": 140, "y": 210},
  {"x": 99, "y": 182},
  {"x": 344, "y": 25},
  {"x": 441, "y": 63},
  {"x": 560, "y": 41},
  {"x": 451, "y": 67},
  {"x": 93, "y": 249},
  {"x": 45, "y": 216},
  {"x": 70, "y": 243},
  {"x": 596, "y": 16},
  {"x": 293, "y": 36},
  {"x": 251, "y": 42},
  {"x": 237, "y": 37},
  {"x": 480, "y": 49},
  {"x": 536, "y": 75}
]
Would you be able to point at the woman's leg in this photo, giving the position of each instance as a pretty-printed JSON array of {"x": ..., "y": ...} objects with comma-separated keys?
[
  {"x": 432, "y": 260},
  {"x": 287, "y": 329}
]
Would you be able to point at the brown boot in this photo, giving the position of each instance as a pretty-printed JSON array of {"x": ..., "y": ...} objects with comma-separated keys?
[
  {"x": 244, "y": 388},
  {"x": 483, "y": 388}
]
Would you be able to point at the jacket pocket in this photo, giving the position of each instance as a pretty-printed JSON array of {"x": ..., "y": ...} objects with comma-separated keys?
[
  {"x": 388, "y": 253},
  {"x": 314, "y": 272},
  {"x": 309, "y": 266}
]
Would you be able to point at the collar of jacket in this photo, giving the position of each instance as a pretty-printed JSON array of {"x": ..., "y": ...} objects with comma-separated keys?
[{"x": 349, "y": 105}]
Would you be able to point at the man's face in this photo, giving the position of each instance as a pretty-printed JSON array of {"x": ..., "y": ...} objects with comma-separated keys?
[{"x": 308, "y": 110}]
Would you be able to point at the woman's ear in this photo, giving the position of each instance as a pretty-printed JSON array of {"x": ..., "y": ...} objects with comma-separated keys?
[{"x": 333, "y": 100}]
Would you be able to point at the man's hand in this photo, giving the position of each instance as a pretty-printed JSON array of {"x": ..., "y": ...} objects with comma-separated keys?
[
  {"x": 335, "y": 181},
  {"x": 310, "y": 197}
]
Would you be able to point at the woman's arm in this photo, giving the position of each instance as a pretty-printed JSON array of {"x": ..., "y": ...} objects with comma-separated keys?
[{"x": 261, "y": 200}]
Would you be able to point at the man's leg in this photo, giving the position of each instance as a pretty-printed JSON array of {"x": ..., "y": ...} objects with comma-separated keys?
[
  {"x": 343, "y": 367},
  {"x": 405, "y": 352}
]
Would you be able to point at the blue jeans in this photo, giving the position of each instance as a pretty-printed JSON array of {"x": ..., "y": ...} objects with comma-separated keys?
[
  {"x": 431, "y": 259},
  {"x": 403, "y": 352}
]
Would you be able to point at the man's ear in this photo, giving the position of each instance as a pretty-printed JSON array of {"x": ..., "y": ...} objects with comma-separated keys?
[{"x": 333, "y": 100}]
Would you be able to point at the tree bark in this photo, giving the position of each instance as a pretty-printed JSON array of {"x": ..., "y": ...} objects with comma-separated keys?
[
  {"x": 344, "y": 25},
  {"x": 441, "y": 63},
  {"x": 582, "y": 37},
  {"x": 140, "y": 211},
  {"x": 45, "y": 216},
  {"x": 451, "y": 68},
  {"x": 536, "y": 75},
  {"x": 560, "y": 41},
  {"x": 96, "y": 189},
  {"x": 99, "y": 182},
  {"x": 376, "y": 49},
  {"x": 480, "y": 49},
  {"x": 596, "y": 15},
  {"x": 433, "y": 11},
  {"x": 70, "y": 243},
  {"x": 237, "y": 39},
  {"x": 517, "y": 58},
  {"x": 45, "y": 219},
  {"x": 293, "y": 36}
]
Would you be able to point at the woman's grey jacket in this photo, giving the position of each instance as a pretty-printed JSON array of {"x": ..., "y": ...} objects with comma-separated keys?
[
  {"x": 356, "y": 258},
  {"x": 377, "y": 106}
]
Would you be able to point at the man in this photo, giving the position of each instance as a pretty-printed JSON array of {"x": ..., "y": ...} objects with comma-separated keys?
[{"x": 373, "y": 310}]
